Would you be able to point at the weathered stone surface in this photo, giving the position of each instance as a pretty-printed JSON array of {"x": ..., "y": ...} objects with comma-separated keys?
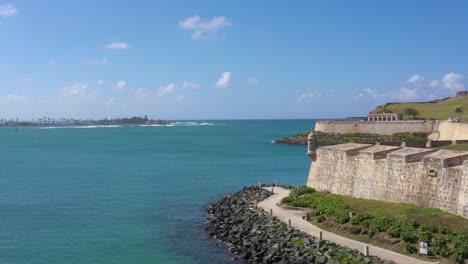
[
  {"x": 424, "y": 177},
  {"x": 251, "y": 234}
]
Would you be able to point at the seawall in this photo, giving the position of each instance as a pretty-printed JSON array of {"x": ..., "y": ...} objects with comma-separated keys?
[{"x": 425, "y": 177}]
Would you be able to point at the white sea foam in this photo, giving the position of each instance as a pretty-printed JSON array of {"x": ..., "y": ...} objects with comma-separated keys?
[
  {"x": 191, "y": 123},
  {"x": 56, "y": 127},
  {"x": 185, "y": 123}
]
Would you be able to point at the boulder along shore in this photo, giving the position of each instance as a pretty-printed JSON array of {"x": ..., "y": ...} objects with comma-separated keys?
[{"x": 251, "y": 234}]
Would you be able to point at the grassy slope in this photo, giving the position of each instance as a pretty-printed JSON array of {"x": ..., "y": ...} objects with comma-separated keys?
[
  {"x": 422, "y": 215},
  {"x": 432, "y": 110}
]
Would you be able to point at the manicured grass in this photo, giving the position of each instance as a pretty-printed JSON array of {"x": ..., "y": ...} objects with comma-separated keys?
[
  {"x": 463, "y": 147},
  {"x": 443, "y": 109}
]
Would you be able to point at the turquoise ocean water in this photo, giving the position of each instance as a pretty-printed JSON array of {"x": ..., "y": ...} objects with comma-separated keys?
[{"x": 132, "y": 194}]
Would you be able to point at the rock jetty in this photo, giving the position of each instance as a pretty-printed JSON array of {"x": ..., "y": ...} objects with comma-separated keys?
[{"x": 251, "y": 234}]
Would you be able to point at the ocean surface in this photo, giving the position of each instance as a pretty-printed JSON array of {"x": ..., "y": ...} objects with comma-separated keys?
[{"x": 132, "y": 194}]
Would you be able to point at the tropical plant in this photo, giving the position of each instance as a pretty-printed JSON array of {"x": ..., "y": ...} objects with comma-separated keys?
[
  {"x": 411, "y": 112},
  {"x": 459, "y": 110}
]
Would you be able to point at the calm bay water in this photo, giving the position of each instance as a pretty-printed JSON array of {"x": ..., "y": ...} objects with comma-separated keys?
[{"x": 132, "y": 194}]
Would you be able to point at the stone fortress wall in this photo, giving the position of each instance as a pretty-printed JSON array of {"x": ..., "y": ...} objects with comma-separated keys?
[
  {"x": 443, "y": 130},
  {"x": 375, "y": 127},
  {"x": 425, "y": 177}
]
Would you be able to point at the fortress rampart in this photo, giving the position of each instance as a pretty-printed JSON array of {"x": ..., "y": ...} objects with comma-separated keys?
[
  {"x": 375, "y": 127},
  {"x": 425, "y": 177}
]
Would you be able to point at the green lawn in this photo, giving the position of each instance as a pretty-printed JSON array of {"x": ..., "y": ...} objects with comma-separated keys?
[
  {"x": 443, "y": 109},
  {"x": 463, "y": 147}
]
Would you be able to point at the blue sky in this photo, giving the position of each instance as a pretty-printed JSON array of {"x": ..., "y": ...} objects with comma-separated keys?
[{"x": 226, "y": 59}]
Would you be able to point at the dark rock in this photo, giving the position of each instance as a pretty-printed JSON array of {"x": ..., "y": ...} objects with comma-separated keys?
[{"x": 254, "y": 236}]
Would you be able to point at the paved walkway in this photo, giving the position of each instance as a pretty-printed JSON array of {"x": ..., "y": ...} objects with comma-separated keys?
[{"x": 301, "y": 224}]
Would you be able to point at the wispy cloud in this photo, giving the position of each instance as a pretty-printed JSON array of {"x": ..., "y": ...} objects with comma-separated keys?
[
  {"x": 15, "y": 99},
  {"x": 120, "y": 86},
  {"x": 204, "y": 30},
  {"x": 418, "y": 88},
  {"x": 97, "y": 61},
  {"x": 8, "y": 10},
  {"x": 118, "y": 45},
  {"x": 52, "y": 62},
  {"x": 167, "y": 89},
  {"x": 309, "y": 96},
  {"x": 76, "y": 89},
  {"x": 253, "y": 81},
  {"x": 224, "y": 81},
  {"x": 191, "y": 85}
]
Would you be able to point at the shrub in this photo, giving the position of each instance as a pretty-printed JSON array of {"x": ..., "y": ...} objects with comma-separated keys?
[
  {"x": 394, "y": 231},
  {"x": 360, "y": 218},
  {"x": 439, "y": 246},
  {"x": 280, "y": 229},
  {"x": 410, "y": 248},
  {"x": 460, "y": 248},
  {"x": 321, "y": 218},
  {"x": 288, "y": 199},
  {"x": 381, "y": 224},
  {"x": 424, "y": 235},
  {"x": 428, "y": 227},
  {"x": 297, "y": 241},
  {"x": 341, "y": 217},
  {"x": 409, "y": 237},
  {"x": 301, "y": 191}
]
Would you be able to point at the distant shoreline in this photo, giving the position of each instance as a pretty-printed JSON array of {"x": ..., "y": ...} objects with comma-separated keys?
[{"x": 70, "y": 122}]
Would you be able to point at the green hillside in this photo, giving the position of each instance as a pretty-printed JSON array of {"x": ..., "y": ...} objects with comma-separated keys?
[{"x": 440, "y": 109}]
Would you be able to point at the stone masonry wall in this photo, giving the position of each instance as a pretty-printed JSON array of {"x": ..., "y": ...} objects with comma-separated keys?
[
  {"x": 426, "y": 177},
  {"x": 371, "y": 127}
]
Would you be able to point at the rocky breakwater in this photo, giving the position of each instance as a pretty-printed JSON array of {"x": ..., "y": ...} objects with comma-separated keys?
[{"x": 251, "y": 234}]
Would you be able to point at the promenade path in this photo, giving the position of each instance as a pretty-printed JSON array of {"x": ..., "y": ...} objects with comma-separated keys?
[{"x": 298, "y": 222}]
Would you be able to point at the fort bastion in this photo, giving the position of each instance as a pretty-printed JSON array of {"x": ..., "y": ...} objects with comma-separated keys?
[{"x": 426, "y": 177}]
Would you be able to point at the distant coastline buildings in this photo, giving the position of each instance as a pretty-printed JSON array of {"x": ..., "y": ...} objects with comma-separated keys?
[
  {"x": 385, "y": 117},
  {"x": 462, "y": 93}
]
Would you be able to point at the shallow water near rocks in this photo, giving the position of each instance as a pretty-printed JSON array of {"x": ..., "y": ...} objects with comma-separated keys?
[{"x": 132, "y": 194}]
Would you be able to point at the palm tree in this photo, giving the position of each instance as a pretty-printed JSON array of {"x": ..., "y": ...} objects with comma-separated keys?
[{"x": 459, "y": 111}]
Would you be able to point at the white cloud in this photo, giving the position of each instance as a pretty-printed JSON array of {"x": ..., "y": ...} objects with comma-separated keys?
[
  {"x": 180, "y": 98},
  {"x": 100, "y": 82},
  {"x": 204, "y": 30},
  {"x": 52, "y": 62},
  {"x": 224, "y": 81},
  {"x": 191, "y": 85},
  {"x": 120, "y": 86},
  {"x": 8, "y": 10},
  {"x": 453, "y": 81},
  {"x": 253, "y": 81},
  {"x": 15, "y": 99},
  {"x": 117, "y": 45},
  {"x": 97, "y": 61},
  {"x": 434, "y": 83},
  {"x": 164, "y": 90},
  {"x": 309, "y": 96},
  {"x": 418, "y": 88},
  {"x": 415, "y": 79},
  {"x": 140, "y": 93},
  {"x": 76, "y": 89}
]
